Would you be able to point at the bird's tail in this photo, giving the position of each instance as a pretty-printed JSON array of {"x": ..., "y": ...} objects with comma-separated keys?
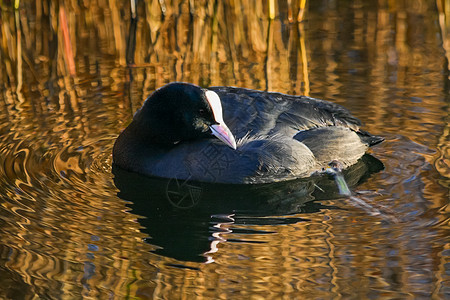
[{"x": 370, "y": 139}]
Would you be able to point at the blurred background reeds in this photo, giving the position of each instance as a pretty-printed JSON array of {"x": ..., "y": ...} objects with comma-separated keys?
[{"x": 257, "y": 44}]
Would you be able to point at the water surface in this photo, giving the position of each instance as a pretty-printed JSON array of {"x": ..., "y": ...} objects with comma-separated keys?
[{"x": 72, "y": 75}]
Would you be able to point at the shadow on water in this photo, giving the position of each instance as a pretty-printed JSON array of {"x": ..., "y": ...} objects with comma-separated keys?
[
  {"x": 18, "y": 287},
  {"x": 183, "y": 217}
]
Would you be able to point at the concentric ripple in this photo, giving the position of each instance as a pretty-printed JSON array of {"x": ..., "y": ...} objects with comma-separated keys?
[{"x": 60, "y": 217}]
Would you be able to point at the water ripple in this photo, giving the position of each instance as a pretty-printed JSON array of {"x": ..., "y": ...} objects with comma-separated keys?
[{"x": 57, "y": 196}]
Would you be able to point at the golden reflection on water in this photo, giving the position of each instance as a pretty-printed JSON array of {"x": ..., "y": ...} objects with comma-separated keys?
[{"x": 73, "y": 73}]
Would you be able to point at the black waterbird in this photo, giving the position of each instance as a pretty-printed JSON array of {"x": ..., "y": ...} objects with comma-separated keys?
[{"x": 237, "y": 135}]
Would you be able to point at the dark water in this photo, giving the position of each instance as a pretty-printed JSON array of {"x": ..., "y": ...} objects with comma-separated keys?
[{"x": 71, "y": 226}]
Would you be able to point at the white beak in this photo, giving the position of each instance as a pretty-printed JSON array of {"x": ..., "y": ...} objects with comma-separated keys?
[
  {"x": 224, "y": 134},
  {"x": 220, "y": 130}
]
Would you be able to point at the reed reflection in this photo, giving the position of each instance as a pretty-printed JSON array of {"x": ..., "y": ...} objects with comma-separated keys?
[{"x": 70, "y": 81}]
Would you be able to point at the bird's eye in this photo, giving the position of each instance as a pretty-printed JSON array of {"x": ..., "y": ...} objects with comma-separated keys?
[{"x": 201, "y": 111}]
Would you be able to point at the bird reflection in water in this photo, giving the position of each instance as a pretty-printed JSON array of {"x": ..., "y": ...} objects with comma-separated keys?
[{"x": 186, "y": 220}]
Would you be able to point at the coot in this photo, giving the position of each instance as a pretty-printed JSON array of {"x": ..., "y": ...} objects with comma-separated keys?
[{"x": 236, "y": 135}]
